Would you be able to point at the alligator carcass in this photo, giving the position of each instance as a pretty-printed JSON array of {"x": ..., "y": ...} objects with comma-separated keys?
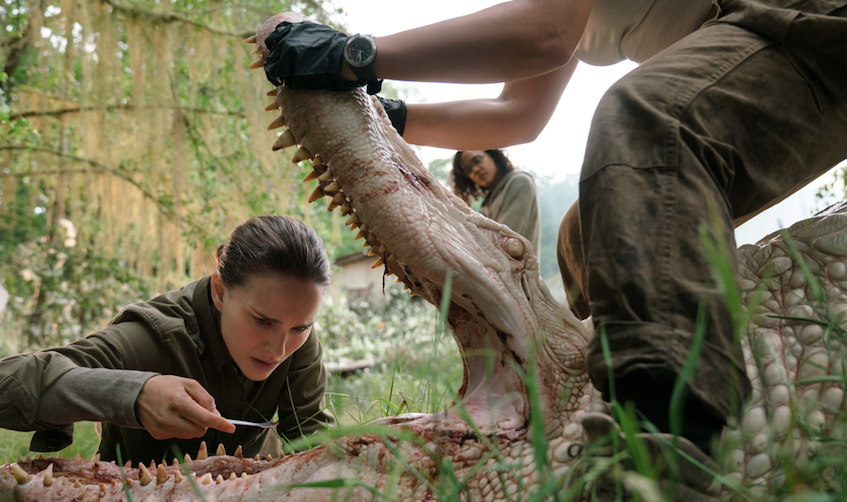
[{"x": 525, "y": 383}]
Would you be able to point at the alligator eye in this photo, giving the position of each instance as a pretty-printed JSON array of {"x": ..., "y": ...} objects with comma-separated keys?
[
  {"x": 568, "y": 451},
  {"x": 515, "y": 248},
  {"x": 575, "y": 450}
]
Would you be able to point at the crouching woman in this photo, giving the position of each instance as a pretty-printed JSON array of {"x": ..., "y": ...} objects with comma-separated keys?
[{"x": 169, "y": 372}]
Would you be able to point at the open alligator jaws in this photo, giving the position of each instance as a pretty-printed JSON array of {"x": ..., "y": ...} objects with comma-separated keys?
[{"x": 507, "y": 326}]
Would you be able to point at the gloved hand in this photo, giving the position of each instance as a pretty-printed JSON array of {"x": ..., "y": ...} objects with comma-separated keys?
[
  {"x": 396, "y": 111},
  {"x": 307, "y": 55}
]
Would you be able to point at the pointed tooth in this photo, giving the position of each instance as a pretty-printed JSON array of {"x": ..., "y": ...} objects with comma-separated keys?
[
  {"x": 285, "y": 140},
  {"x": 219, "y": 479},
  {"x": 175, "y": 462},
  {"x": 271, "y": 93},
  {"x": 271, "y": 106},
  {"x": 339, "y": 198},
  {"x": 346, "y": 209},
  {"x": 332, "y": 187},
  {"x": 77, "y": 484},
  {"x": 96, "y": 457},
  {"x": 187, "y": 458},
  {"x": 364, "y": 227},
  {"x": 206, "y": 479},
  {"x": 269, "y": 457},
  {"x": 202, "y": 453},
  {"x": 281, "y": 454},
  {"x": 383, "y": 249},
  {"x": 259, "y": 63},
  {"x": 65, "y": 481},
  {"x": 48, "y": 475},
  {"x": 277, "y": 123},
  {"x": 317, "y": 194},
  {"x": 302, "y": 154},
  {"x": 243, "y": 474},
  {"x": 371, "y": 252},
  {"x": 232, "y": 476},
  {"x": 392, "y": 257},
  {"x": 129, "y": 482},
  {"x": 238, "y": 453},
  {"x": 326, "y": 176},
  {"x": 332, "y": 205},
  {"x": 221, "y": 451},
  {"x": 152, "y": 465},
  {"x": 128, "y": 464},
  {"x": 360, "y": 235},
  {"x": 144, "y": 475},
  {"x": 405, "y": 287},
  {"x": 251, "y": 40},
  {"x": 378, "y": 263},
  {"x": 257, "y": 457},
  {"x": 354, "y": 218},
  {"x": 178, "y": 477},
  {"x": 256, "y": 51},
  {"x": 317, "y": 161},
  {"x": 161, "y": 474},
  {"x": 398, "y": 281},
  {"x": 312, "y": 176},
  {"x": 21, "y": 476}
]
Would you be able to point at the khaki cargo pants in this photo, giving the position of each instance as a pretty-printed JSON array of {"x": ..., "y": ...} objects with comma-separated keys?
[{"x": 728, "y": 121}]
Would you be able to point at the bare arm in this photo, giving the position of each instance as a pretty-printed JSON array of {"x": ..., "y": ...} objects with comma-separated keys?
[
  {"x": 510, "y": 41},
  {"x": 517, "y": 116}
]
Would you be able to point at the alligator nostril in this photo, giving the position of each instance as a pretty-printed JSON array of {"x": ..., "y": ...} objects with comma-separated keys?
[{"x": 515, "y": 248}]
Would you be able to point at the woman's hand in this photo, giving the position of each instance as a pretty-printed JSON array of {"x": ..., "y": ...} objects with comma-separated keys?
[{"x": 174, "y": 407}]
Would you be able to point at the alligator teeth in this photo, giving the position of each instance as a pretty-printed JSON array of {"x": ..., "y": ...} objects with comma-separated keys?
[
  {"x": 354, "y": 218},
  {"x": 277, "y": 123},
  {"x": 271, "y": 93},
  {"x": 206, "y": 479},
  {"x": 144, "y": 475},
  {"x": 129, "y": 482},
  {"x": 256, "y": 457},
  {"x": 152, "y": 465},
  {"x": 259, "y": 63},
  {"x": 48, "y": 475},
  {"x": 392, "y": 257},
  {"x": 251, "y": 40},
  {"x": 310, "y": 177},
  {"x": 317, "y": 194},
  {"x": 317, "y": 161},
  {"x": 378, "y": 263},
  {"x": 219, "y": 479},
  {"x": 161, "y": 474},
  {"x": 359, "y": 235},
  {"x": 301, "y": 155},
  {"x": 232, "y": 476},
  {"x": 332, "y": 205},
  {"x": 346, "y": 209},
  {"x": 371, "y": 252},
  {"x": 187, "y": 458},
  {"x": 175, "y": 462},
  {"x": 269, "y": 457},
  {"x": 271, "y": 106},
  {"x": 77, "y": 484},
  {"x": 364, "y": 227},
  {"x": 256, "y": 51},
  {"x": 339, "y": 198},
  {"x": 383, "y": 249},
  {"x": 243, "y": 474},
  {"x": 202, "y": 453},
  {"x": 332, "y": 187},
  {"x": 178, "y": 477},
  {"x": 326, "y": 176},
  {"x": 128, "y": 464},
  {"x": 238, "y": 453},
  {"x": 221, "y": 450},
  {"x": 285, "y": 140},
  {"x": 21, "y": 476},
  {"x": 95, "y": 458}
]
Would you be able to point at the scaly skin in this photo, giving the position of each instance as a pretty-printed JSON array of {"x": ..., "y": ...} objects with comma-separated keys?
[{"x": 503, "y": 318}]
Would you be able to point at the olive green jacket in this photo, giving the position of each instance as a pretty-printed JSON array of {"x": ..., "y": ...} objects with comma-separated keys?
[
  {"x": 514, "y": 203},
  {"x": 177, "y": 333}
]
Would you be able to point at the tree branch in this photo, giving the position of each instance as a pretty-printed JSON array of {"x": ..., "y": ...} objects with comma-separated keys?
[
  {"x": 167, "y": 17},
  {"x": 81, "y": 109},
  {"x": 166, "y": 210}
]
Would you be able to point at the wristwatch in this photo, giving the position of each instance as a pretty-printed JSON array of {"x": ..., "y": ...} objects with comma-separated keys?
[{"x": 360, "y": 54}]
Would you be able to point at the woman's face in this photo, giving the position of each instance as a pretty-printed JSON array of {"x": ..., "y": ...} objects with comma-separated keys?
[
  {"x": 266, "y": 319},
  {"x": 480, "y": 168}
]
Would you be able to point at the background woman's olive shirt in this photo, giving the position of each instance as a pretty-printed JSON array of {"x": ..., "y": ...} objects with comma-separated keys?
[{"x": 176, "y": 333}]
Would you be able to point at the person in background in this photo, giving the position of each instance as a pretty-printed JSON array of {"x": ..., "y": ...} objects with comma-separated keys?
[
  {"x": 237, "y": 344},
  {"x": 510, "y": 196}
]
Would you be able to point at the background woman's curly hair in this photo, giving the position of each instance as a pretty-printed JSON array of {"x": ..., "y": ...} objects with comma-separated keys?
[{"x": 467, "y": 189}]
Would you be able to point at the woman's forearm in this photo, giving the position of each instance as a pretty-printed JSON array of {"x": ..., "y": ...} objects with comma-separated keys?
[
  {"x": 517, "y": 116},
  {"x": 511, "y": 41}
]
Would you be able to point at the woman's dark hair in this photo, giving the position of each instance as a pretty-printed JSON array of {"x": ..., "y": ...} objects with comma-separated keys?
[
  {"x": 467, "y": 189},
  {"x": 272, "y": 244}
]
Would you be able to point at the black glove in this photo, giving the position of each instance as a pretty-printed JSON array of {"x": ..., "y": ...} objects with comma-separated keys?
[
  {"x": 307, "y": 56},
  {"x": 396, "y": 110}
]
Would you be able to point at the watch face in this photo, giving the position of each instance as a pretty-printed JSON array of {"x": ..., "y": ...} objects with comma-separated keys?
[{"x": 359, "y": 51}]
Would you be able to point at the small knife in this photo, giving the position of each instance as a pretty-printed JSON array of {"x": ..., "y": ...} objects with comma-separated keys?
[{"x": 263, "y": 425}]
